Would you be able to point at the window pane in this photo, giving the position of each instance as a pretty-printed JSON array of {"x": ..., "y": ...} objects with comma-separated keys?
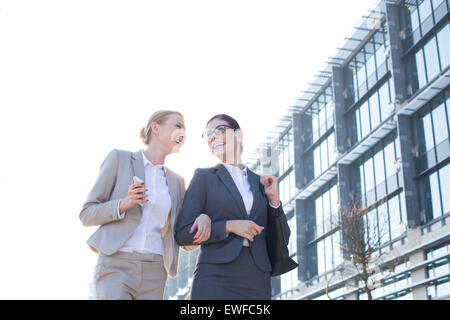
[
  {"x": 319, "y": 216},
  {"x": 317, "y": 162},
  {"x": 370, "y": 56},
  {"x": 326, "y": 206},
  {"x": 293, "y": 187},
  {"x": 291, "y": 148},
  {"x": 358, "y": 125},
  {"x": 443, "y": 289},
  {"x": 363, "y": 185},
  {"x": 293, "y": 240},
  {"x": 435, "y": 196},
  {"x": 355, "y": 83},
  {"x": 334, "y": 200},
  {"x": 431, "y": 59},
  {"x": 337, "y": 251},
  {"x": 328, "y": 253},
  {"x": 394, "y": 216},
  {"x": 389, "y": 155},
  {"x": 331, "y": 149},
  {"x": 379, "y": 168},
  {"x": 315, "y": 119},
  {"x": 281, "y": 187},
  {"x": 365, "y": 120},
  {"x": 361, "y": 73},
  {"x": 440, "y": 124},
  {"x": 421, "y": 74},
  {"x": 447, "y": 94},
  {"x": 385, "y": 107},
  {"x": 379, "y": 47},
  {"x": 372, "y": 236},
  {"x": 414, "y": 17},
  {"x": 324, "y": 155},
  {"x": 444, "y": 46},
  {"x": 374, "y": 110},
  {"x": 428, "y": 132},
  {"x": 424, "y": 9},
  {"x": 444, "y": 175},
  {"x": 320, "y": 257},
  {"x": 322, "y": 123},
  {"x": 383, "y": 223},
  {"x": 368, "y": 173},
  {"x": 436, "y": 3}
]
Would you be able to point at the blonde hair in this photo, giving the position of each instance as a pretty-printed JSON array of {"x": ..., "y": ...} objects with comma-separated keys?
[{"x": 159, "y": 117}]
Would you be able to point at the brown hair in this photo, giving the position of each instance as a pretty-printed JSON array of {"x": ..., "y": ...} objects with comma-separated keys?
[{"x": 159, "y": 117}]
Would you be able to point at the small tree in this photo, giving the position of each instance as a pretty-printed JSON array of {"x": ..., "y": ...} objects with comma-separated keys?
[{"x": 362, "y": 236}]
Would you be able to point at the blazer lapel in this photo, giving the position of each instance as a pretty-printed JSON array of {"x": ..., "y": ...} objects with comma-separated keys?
[
  {"x": 227, "y": 180},
  {"x": 253, "y": 179},
  {"x": 173, "y": 191},
  {"x": 138, "y": 168}
]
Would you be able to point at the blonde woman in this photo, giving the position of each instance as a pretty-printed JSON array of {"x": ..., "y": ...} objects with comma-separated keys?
[{"x": 136, "y": 217}]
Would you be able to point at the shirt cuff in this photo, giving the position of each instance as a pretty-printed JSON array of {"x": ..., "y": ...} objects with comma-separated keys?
[
  {"x": 120, "y": 215},
  {"x": 279, "y": 204}
]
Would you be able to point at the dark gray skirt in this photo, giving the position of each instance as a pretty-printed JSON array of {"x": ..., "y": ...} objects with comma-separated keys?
[{"x": 239, "y": 279}]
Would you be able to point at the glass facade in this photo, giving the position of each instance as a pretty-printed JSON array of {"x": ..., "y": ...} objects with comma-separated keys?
[
  {"x": 290, "y": 280},
  {"x": 439, "y": 270},
  {"x": 324, "y": 155},
  {"x": 285, "y": 164},
  {"x": 324, "y": 240},
  {"x": 321, "y": 112},
  {"x": 432, "y": 131},
  {"x": 287, "y": 190},
  {"x": 433, "y": 194},
  {"x": 375, "y": 174},
  {"x": 433, "y": 57},
  {"x": 395, "y": 284},
  {"x": 431, "y": 135},
  {"x": 422, "y": 16},
  {"x": 368, "y": 66},
  {"x": 371, "y": 112},
  {"x": 286, "y": 152}
]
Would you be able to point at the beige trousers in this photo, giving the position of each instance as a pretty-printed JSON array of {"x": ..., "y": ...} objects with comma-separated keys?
[{"x": 129, "y": 276}]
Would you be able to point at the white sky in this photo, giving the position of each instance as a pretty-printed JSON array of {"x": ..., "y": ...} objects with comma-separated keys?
[{"x": 79, "y": 78}]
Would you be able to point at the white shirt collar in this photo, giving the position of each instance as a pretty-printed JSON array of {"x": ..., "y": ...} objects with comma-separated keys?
[
  {"x": 148, "y": 162},
  {"x": 232, "y": 168}
]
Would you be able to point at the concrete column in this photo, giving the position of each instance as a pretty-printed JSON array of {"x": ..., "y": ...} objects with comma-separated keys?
[
  {"x": 408, "y": 172},
  {"x": 300, "y": 212},
  {"x": 302, "y": 124},
  {"x": 396, "y": 63},
  {"x": 339, "y": 85}
]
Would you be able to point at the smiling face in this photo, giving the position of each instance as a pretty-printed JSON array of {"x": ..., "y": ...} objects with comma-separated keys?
[
  {"x": 170, "y": 133},
  {"x": 226, "y": 145}
]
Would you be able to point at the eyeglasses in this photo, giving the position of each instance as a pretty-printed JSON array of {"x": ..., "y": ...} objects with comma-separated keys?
[{"x": 219, "y": 130}]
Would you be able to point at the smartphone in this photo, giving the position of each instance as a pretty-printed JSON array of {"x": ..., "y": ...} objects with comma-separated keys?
[{"x": 138, "y": 180}]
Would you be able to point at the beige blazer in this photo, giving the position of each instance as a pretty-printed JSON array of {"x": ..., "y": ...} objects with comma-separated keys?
[{"x": 100, "y": 208}]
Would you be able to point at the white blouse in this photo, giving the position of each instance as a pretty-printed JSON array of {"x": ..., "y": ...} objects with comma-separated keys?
[{"x": 147, "y": 236}]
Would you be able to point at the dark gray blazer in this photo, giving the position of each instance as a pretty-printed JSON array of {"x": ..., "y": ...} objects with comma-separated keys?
[{"x": 212, "y": 191}]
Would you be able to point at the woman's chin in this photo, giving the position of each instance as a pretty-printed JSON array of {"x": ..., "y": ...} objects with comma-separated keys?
[
  {"x": 176, "y": 147},
  {"x": 219, "y": 154}
]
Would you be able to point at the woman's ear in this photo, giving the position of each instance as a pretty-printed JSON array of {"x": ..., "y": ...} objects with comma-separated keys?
[{"x": 155, "y": 128}]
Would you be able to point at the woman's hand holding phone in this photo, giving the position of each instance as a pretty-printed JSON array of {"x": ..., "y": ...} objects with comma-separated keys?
[{"x": 136, "y": 195}]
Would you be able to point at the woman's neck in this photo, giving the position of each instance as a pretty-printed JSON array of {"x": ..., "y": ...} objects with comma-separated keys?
[
  {"x": 237, "y": 162},
  {"x": 155, "y": 154}
]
